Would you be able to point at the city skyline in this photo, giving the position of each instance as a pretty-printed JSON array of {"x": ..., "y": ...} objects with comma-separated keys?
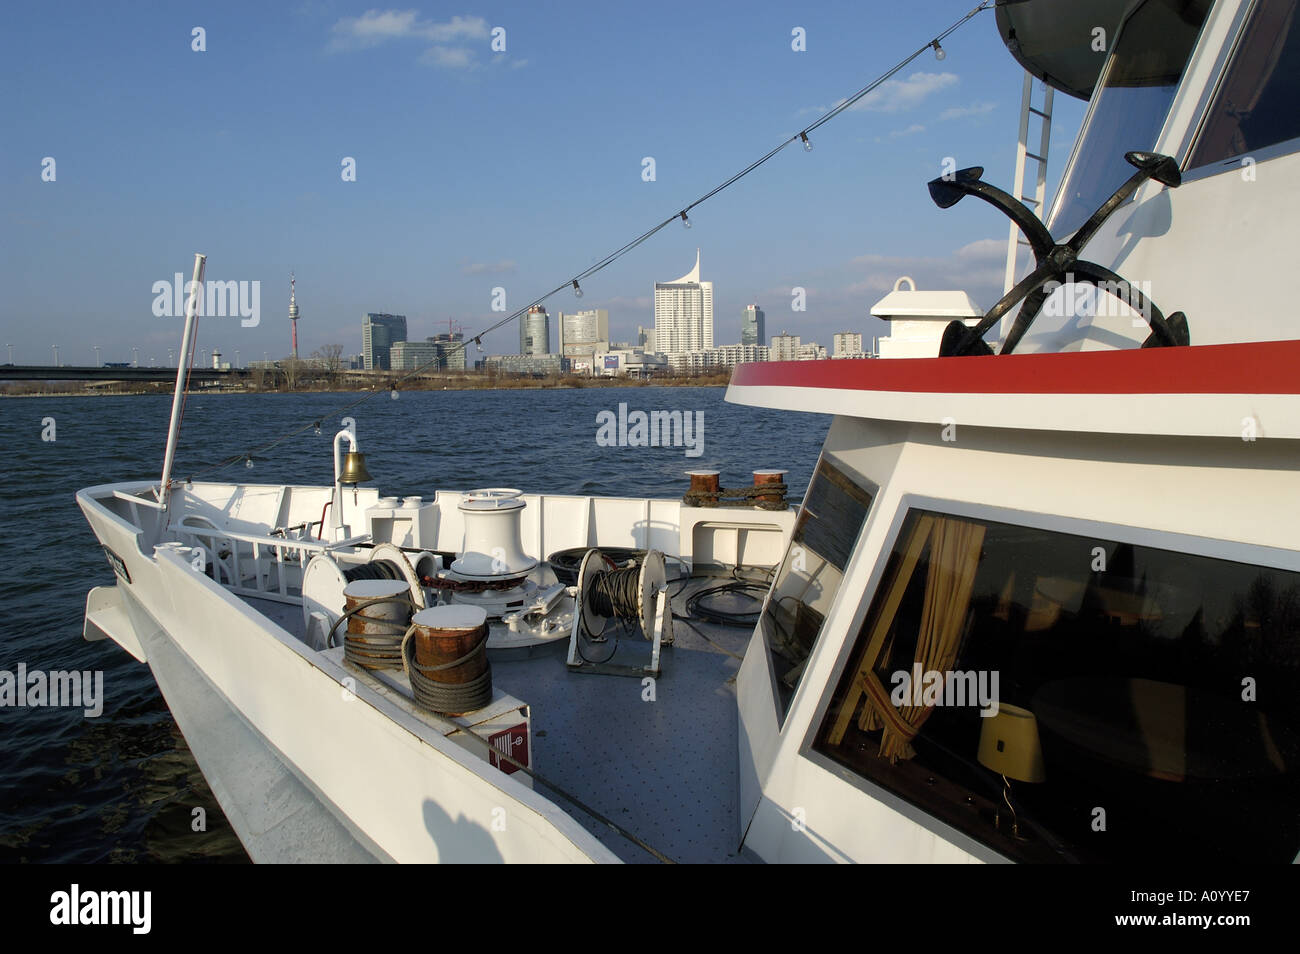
[{"x": 122, "y": 202}]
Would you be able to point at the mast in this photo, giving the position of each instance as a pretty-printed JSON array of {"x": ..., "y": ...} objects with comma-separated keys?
[{"x": 182, "y": 369}]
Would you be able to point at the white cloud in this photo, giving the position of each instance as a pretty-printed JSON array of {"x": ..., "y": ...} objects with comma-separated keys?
[
  {"x": 988, "y": 249},
  {"x": 374, "y": 27},
  {"x": 911, "y": 130},
  {"x": 974, "y": 109},
  {"x": 380, "y": 26},
  {"x": 896, "y": 95},
  {"x": 976, "y": 268}
]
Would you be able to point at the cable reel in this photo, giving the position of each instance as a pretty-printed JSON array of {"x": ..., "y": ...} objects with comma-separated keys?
[{"x": 634, "y": 598}]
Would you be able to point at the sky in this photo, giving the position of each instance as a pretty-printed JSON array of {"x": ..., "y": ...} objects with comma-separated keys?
[{"x": 126, "y": 150}]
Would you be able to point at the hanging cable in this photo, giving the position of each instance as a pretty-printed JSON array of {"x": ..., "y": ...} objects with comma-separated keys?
[{"x": 931, "y": 45}]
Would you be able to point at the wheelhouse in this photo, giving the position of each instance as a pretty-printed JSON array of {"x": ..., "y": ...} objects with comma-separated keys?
[
  {"x": 1067, "y": 627},
  {"x": 1213, "y": 86}
]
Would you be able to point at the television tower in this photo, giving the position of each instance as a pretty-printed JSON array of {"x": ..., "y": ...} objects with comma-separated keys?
[{"x": 293, "y": 316}]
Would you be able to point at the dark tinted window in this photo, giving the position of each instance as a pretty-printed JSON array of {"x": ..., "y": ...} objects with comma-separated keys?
[
  {"x": 1256, "y": 104},
  {"x": 822, "y": 543},
  {"x": 1147, "y": 701},
  {"x": 1137, "y": 90}
]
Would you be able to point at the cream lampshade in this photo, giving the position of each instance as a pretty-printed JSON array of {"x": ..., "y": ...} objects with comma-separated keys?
[{"x": 1009, "y": 744}]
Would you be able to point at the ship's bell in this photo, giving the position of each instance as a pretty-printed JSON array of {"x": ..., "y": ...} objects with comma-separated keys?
[{"x": 354, "y": 469}]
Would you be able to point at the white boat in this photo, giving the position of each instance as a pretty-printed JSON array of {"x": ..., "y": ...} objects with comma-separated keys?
[{"x": 1035, "y": 606}]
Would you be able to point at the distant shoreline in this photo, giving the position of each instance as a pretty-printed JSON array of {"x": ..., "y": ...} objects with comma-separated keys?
[{"x": 457, "y": 384}]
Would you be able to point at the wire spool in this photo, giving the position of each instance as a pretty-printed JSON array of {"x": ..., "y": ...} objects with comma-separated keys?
[
  {"x": 607, "y": 591},
  {"x": 377, "y": 612},
  {"x": 445, "y": 655},
  {"x": 565, "y": 563},
  {"x": 394, "y": 559},
  {"x": 374, "y": 570}
]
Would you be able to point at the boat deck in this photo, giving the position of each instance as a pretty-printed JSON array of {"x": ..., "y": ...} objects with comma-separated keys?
[
  {"x": 666, "y": 769},
  {"x": 661, "y": 764}
]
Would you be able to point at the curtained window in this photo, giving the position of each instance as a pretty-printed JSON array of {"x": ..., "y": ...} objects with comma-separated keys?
[{"x": 1026, "y": 686}]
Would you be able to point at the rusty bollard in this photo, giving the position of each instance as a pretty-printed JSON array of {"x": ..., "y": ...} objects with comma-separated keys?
[
  {"x": 704, "y": 482},
  {"x": 764, "y": 477}
]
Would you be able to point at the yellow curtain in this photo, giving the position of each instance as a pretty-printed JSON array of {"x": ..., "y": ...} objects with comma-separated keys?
[{"x": 954, "y": 557}]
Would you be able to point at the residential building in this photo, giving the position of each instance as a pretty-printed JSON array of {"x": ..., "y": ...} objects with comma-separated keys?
[
  {"x": 785, "y": 347},
  {"x": 684, "y": 313},
  {"x": 848, "y": 344}
]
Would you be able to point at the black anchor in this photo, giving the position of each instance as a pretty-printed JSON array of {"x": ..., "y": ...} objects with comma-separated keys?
[{"x": 1054, "y": 262}]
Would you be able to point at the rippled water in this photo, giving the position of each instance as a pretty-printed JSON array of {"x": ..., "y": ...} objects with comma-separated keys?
[{"x": 122, "y": 787}]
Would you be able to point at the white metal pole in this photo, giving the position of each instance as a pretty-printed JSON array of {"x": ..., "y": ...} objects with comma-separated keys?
[
  {"x": 1018, "y": 181},
  {"x": 182, "y": 366}
]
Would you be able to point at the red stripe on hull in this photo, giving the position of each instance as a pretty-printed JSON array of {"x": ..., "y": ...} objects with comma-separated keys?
[{"x": 1265, "y": 367}]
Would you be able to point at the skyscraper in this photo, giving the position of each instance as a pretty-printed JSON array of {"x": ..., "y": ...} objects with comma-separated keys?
[
  {"x": 535, "y": 331},
  {"x": 684, "y": 313},
  {"x": 751, "y": 326},
  {"x": 378, "y": 332},
  {"x": 583, "y": 332}
]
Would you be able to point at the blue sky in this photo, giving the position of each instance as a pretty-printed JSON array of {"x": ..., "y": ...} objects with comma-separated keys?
[{"x": 477, "y": 169}]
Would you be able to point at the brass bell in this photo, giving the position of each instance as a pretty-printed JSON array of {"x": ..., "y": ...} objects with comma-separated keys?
[{"x": 354, "y": 469}]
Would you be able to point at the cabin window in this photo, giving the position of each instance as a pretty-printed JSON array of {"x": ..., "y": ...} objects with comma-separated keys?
[
  {"x": 1137, "y": 89},
  {"x": 830, "y": 519},
  {"x": 1255, "y": 104},
  {"x": 1142, "y": 703}
]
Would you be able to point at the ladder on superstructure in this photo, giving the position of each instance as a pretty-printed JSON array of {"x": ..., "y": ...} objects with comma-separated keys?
[{"x": 1023, "y": 157}]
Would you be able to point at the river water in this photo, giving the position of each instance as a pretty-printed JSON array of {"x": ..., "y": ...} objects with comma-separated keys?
[{"x": 122, "y": 786}]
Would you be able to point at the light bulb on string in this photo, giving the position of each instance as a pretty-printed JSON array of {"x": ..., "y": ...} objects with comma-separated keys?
[
  {"x": 248, "y": 461},
  {"x": 577, "y": 289},
  {"x": 686, "y": 223},
  {"x": 478, "y": 343},
  {"x": 939, "y": 53},
  {"x": 807, "y": 143},
  {"x": 393, "y": 394},
  {"x": 318, "y": 428}
]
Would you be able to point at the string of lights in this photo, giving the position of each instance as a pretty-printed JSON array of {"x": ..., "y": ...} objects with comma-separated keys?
[{"x": 574, "y": 283}]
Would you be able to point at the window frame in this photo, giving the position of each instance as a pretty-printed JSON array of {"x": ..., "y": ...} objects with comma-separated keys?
[
  {"x": 1241, "y": 22},
  {"x": 872, "y": 489},
  {"x": 1190, "y": 544},
  {"x": 1085, "y": 127}
]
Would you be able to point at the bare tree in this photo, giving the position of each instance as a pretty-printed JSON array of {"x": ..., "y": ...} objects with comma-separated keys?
[{"x": 330, "y": 357}]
